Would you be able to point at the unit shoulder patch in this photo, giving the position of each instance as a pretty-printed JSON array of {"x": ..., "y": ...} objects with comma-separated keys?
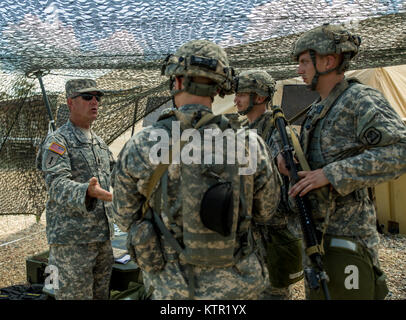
[
  {"x": 51, "y": 160},
  {"x": 373, "y": 136}
]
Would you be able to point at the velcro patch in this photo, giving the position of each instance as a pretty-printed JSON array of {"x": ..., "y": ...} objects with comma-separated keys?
[
  {"x": 51, "y": 160},
  {"x": 373, "y": 136},
  {"x": 57, "y": 148}
]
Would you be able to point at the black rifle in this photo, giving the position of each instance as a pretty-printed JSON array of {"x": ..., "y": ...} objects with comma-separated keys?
[{"x": 315, "y": 276}]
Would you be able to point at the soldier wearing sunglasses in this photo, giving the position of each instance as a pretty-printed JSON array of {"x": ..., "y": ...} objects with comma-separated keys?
[{"x": 77, "y": 165}]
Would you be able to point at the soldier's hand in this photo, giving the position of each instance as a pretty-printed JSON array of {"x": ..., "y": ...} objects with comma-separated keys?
[
  {"x": 282, "y": 165},
  {"x": 309, "y": 180},
  {"x": 94, "y": 190}
]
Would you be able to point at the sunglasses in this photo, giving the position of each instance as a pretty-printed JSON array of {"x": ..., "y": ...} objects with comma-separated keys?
[{"x": 88, "y": 96}]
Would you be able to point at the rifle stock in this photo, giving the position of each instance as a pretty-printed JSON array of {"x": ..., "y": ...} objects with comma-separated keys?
[{"x": 315, "y": 276}]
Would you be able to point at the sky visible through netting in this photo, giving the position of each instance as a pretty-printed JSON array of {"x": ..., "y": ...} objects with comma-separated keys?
[{"x": 122, "y": 44}]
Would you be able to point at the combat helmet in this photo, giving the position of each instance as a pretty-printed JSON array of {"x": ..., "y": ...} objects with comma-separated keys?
[
  {"x": 254, "y": 82},
  {"x": 327, "y": 39},
  {"x": 200, "y": 58}
]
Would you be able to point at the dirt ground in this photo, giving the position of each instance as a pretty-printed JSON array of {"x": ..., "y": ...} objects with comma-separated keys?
[{"x": 23, "y": 236}]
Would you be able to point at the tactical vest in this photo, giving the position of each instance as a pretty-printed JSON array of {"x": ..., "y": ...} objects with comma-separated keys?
[
  {"x": 311, "y": 140},
  {"x": 215, "y": 231}
]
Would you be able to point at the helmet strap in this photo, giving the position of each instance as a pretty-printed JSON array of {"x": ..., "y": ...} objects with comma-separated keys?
[
  {"x": 173, "y": 91},
  {"x": 346, "y": 61},
  {"x": 316, "y": 76}
]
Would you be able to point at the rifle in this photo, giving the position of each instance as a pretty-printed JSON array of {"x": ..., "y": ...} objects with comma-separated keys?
[{"x": 316, "y": 275}]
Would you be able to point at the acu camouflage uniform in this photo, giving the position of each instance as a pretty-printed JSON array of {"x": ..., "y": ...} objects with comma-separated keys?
[
  {"x": 360, "y": 142},
  {"x": 79, "y": 228},
  {"x": 260, "y": 83}
]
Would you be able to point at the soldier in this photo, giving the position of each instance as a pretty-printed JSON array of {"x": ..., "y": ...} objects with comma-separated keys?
[
  {"x": 77, "y": 165},
  {"x": 204, "y": 247},
  {"x": 352, "y": 139},
  {"x": 254, "y": 91}
]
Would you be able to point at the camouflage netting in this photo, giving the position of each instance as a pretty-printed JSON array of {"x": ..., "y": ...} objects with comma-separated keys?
[{"x": 122, "y": 44}]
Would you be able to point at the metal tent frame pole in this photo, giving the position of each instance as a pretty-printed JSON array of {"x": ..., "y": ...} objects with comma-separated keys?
[{"x": 39, "y": 74}]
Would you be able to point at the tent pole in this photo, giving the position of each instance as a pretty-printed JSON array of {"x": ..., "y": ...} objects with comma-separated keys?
[{"x": 39, "y": 74}]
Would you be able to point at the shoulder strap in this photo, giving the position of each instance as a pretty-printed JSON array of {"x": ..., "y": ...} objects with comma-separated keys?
[
  {"x": 301, "y": 113},
  {"x": 270, "y": 124},
  {"x": 204, "y": 120}
]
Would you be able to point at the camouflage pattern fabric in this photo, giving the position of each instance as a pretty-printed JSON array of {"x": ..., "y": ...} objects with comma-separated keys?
[
  {"x": 69, "y": 160},
  {"x": 273, "y": 141},
  {"x": 280, "y": 218},
  {"x": 258, "y": 81},
  {"x": 248, "y": 277},
  {"x": 84, "y": 270},
  {"x": 360, "y": 142},
  {"x": 260, "y": 124},
  {"x": 75, "y": 86},
  {"x": 209, "y": 61},
  {"x": 78, "y": 228},
  {"x": 363, "y": 143}
]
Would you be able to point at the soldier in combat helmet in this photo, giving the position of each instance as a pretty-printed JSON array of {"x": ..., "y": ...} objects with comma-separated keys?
[
  {"x": 184, "y": 251},
  {"x": 352, "y": 139}
]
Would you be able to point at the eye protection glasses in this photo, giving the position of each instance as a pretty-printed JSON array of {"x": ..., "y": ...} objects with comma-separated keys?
[{"x": 88, "y": 96}]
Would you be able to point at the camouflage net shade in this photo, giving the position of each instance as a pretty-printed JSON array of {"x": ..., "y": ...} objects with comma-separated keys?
[{"x": 121, "y": 44}]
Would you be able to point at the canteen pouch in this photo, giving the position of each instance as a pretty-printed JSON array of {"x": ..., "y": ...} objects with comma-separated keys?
[
  {"x": 351, "y": 272},
  {"x": 284, "y": 258},
  {"x": 216, "y": 209},
  {"x": 144, "y": 246}
]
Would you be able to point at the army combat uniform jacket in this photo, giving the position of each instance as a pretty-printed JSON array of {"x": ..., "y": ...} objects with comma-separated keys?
[
  {"x": 267, "y": 131},
  {"x": 248, "y": 277},
  {"x": 69, "y": 160},
  {"x": 359, "y": 141}
]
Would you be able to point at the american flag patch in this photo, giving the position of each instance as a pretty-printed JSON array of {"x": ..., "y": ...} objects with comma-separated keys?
[{"x": 57, "y": 148}]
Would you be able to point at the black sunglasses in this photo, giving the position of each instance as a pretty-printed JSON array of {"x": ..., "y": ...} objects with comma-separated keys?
[{"x": 88, "y": 96}]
